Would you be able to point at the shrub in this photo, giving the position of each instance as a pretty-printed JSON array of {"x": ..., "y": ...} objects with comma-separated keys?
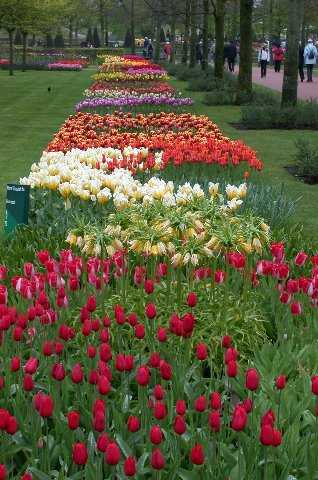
[
  {"x": 306, "y": 159},
  {"x": 302, "y": 116},
  {"x": 221, "y": 97}
]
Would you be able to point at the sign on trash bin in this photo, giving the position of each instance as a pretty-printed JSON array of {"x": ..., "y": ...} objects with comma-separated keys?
[{"x": 17, "y": 206}]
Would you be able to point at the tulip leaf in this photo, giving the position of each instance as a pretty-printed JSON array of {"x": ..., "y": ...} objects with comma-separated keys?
[
  {"x": 91, "y": 444},
  {"x": 187, "y": 475},
  {"x": 38, "y": 474},
  {"x": 123, "y": 445}
]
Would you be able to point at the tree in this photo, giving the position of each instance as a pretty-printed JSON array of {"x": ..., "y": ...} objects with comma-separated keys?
[
  {"x": 89, "y": 36},
  {"x": 245, "y": 87},
  {"x": 128, "y": 39},
  {"x": 193, "y": 36},
  {"x": 219, "y": 13},
  {"x": 18, "y": 37},
  {"x": 205, "y": 33},
  {"x": 186, "y": 36},
  {"x": 96, "y": 40},
  {"x": 132, "y": 26},
  {"x": 49, "y": 42},
  {"x": 59, "y": 40},
  {"x": 290, "y": 81},
  {"x": 10, "y": 17},
  {"x": 162, "y": 35}
]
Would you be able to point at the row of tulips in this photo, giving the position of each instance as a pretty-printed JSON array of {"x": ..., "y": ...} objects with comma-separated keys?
[{"x": 93, "y": 388}]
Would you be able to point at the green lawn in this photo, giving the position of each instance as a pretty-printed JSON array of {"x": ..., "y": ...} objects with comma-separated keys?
[
  {"x": 275, "y": 147},
  {"x": 30, "y": 115}
]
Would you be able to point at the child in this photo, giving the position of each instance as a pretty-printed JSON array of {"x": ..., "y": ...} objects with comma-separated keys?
[{"x": 263, "y": 59}]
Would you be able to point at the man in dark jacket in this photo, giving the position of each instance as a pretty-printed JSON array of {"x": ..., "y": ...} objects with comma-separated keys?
[{"x": 231, "y": 55}]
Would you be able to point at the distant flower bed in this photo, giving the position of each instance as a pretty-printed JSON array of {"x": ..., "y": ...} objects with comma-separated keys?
[{"x": 65, "y": 65}]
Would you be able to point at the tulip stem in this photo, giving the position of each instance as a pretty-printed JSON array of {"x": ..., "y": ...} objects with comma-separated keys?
[{"x": 265, "y": 464}]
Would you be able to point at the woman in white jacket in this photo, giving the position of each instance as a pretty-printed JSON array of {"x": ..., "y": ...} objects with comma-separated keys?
[
  {"x": 310, "y": 58},
  {"x": 263, "y": 59}
]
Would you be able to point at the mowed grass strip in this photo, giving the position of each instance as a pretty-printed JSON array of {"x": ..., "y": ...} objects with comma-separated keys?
[{"x": 30, "y": 115}]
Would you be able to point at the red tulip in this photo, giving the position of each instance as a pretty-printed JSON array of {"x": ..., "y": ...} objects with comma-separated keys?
[
  {"x": 28, "y": 383},
  {"x": 31, "y": 365},
  {"x": 266, "y": 436},
  {"x": 46, "y": 406},
  {"x": 132, "y": 319},
  {"x": 91, "y": 303},
  {"x": 26, "y": 476},
  {"x": 231, "y": 354},
  {"x": 158, "y": 392},
  {"x": 280, "y": 382},
  {"x": 192, "y": 299},
  {"x": 73, "y": 419},
  {"x": 179, "y": 425},
  {"x": 160, "y": 411},
  {"x": 268, "y": 418},
  {"x": 215, "y": 401},
  {"x": 3, "y": 472},
  {"x": 247, "y": 404},
  {"x": 156, "y": 435},
  {"x": 99, "y": 421},
  {"x": 295, "y": 308},
  {"x": 165, "y": 370},
  {"x": 112, "y": 454},
  {"x": 202, "y": 351},
  {"x": 226, "y": 341},
  {"x": 139, "y": 331},
  {"x": 252, "y": 379},
  {"x": 215, "y": 421},
  {"x": 300, "y": 259},
  {"x": 133, "y": 423},
  {"x": 181, "y": 407},
  {"x": 47, "y": 348},
  {"x": 162, "y": 334},
  {"x": 277, "y": 250},
  {"x": 12, "y": 425},
  {"x": 91, "y": 351},
  {"x": 239, "y": 418},
  {"x": 58, "y": 371},
  {"x": 15, "y": 364},
  {"x": 143, "y": 375},
  {"x": 197, "y": 454},
  {"x": 314, "y": 384},
  {"x": 151, "y": 311},
  {"x": 77, "y": 373},
  {"x": 102, "y": 442},
  {"x": 157, "y": 459},
  {"x": 200, "y": 404},
  {"x": 154, "y": 359},
  {"x": 129, "y": 363},
  {"x": 104, "y": 386},
  {"x": 79, "y": 453},
  {"x": 277, "y": 438},
  {"x": 149, "y": 286},
  {"x": 231, "y": 369},
  {"x": 4, "y": 417},
  {"x": 120, "y": 362},
  {"x": 130, "y": 466}
]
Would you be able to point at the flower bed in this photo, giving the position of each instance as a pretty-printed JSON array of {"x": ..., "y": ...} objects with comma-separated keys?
[
  {"x": 182, "y": 138},
  {"x": 65, "y": 66}
]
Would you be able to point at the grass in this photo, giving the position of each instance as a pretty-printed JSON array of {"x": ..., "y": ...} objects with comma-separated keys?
[
  {"x": 276, "y": 148},
  {"x": 30, "y": 115}
]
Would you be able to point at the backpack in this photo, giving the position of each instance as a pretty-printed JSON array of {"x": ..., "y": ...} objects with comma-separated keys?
[{"x": 311, "y": 55}]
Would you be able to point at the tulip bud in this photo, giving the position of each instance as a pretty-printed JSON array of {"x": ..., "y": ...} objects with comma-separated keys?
[
  {"x": 231, "y": 369},
  {"x": 215, "y": 401},
  {"x": 215, "y": 421},
  {"x": 179, "y": 425},
  {"x": 197, "y": 454},
  {"x": 102, "y": 442},
  {"x": 201, "y": 351},
  {"x": 143, "y": 375},
  {"x": 160, "y": 410},
  {"x": 73, "y": 420},
  {"x": 112, "y": 454},
  {"x": 200, "y": 404},
  {"x": 130, "y": 466},
  {"x": 158, "y": 392},
  {"x": 266, "y": 436},
  {"x": 239, "y": 418},
  {"x": 149, "y": 286},
  {"x": 181, "y": 407},
  {"x": 3, "y": 472},
  {"x": 191, "y": 299},
  {"x": 151, "y": 311},
  {"x": 156, "y": 435},
  {"x": 314, "y": 384},
  {"x": 280, "y": 382},
  {"x": 133, "y": 424},
  {"x": 79, "y": 453},
  {"x": 252, "y": 379},
  {"x": 157, "y": 459}
]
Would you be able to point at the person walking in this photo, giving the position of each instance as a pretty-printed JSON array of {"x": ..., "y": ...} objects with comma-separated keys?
[
  {"x": 150, "y": 50},
  {"x": 167, "y": 49},
  {"x": 263, "y": 59},
  {"x": 278, "y": 57},
  {"x": 231, "y": 56},
  {"x": 310, "y": 57},
  {"x": 301, "y": 62},
  {"x": 145, "y": 47},
  {"x": 198, "y": 52}
]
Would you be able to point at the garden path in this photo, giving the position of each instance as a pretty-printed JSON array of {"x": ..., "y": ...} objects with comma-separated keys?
[{"x": 273, "y": 80}]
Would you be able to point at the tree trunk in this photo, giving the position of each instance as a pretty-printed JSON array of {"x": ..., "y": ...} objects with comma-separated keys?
[
  {"x": 245, "y": 86},
  {"x": 102, "y": 21},
  {"x": 219, "y": 39},
  {"x": 10, "y": 32},
  {"x": 24, "y": 50},
  {"x": 234, "y": 20},
  {"x": 173, "y": 35},
  {"x": 106, "y": 30},
  {"x": 193, "y": 37},
  {"x": 157, "y": 39},
  {"x": 185, "y": 46},
  {"x": 132, "y": 25},
  {"x": 290, "y": 82},
  {"x": 205, "y": 34},
  {"x": 70, "y": 33}
]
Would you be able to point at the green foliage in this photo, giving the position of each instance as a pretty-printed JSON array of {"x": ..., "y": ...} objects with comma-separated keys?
[
  {"x": 18, "y": 37},
  {"x": 304, "y": 115},
  {"x": 306, "y": 159},
  {"x": 59, "y": 40},
  {"x": 96, "y": 40}
]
